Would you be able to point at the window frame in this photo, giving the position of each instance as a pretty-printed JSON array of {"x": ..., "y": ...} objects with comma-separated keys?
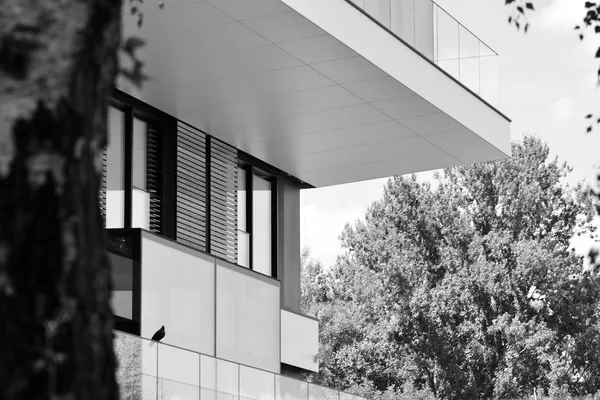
[
  {"x": 164, "y": 126},
  {"x": 253, "y": 170}
]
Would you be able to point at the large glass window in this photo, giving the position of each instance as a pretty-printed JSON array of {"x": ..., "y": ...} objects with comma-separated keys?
[
  {"x": 242, "y": 220},
  {"x": 256, "y": 220},
  {"x": 122, "y": 249},
  {"x": 122, "y": 276},
  {"x": 115, "y": 168},
  {"x": 129, "y": 185},
  {"x": 140, "y": 207},
  {"x": 261, "y": 225}
]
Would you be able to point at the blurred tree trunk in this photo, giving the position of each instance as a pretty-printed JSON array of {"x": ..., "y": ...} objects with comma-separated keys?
[{"x": 58, "y": 61}]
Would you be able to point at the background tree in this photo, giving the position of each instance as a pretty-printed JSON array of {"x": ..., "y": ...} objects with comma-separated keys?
[{"x": 465, "y": 287}]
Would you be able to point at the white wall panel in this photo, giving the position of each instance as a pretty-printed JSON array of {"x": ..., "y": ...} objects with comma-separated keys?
[
  {"x": 299, "y": 341},
  {"x": 247, "y": 317},
  {"x": 178, "y": 292}
]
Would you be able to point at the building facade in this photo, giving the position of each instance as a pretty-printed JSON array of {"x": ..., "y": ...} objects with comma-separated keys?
[{"x": 249, "y": 102}]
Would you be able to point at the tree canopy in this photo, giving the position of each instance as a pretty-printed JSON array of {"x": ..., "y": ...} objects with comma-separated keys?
[{"x": 465, "y": 287}]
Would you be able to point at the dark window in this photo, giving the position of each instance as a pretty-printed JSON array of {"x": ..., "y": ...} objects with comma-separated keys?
[{"x": 124, "y": 253}]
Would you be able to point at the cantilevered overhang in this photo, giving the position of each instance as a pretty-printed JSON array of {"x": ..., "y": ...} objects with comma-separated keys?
[{"x": 313, "y": 87}]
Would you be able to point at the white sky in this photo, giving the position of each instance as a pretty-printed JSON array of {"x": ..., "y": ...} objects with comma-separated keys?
[{"x": 547, "y": 85}]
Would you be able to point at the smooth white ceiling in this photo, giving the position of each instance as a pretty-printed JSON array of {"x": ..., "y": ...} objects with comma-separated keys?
[{"x": 262, "y": 77}]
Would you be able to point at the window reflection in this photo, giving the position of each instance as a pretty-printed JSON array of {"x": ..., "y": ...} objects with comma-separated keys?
[
  {"x": 242, "y": 220},
  {"x": 380, "y": 9},
  {"x": 261, "y": 225},
  {"x": 115, "y": 172},
  {"x": 403, "y": 19},
  {"x": 256, "y": 384},
  {"x": 440, "y": 38},
  {"x": 290, "y": 389},
  {"x": 140, "y": 197},
  {"x": 424, "y": 28},
  {"x": 115, "y": 167},
  {"x": 122, "y": 277}
]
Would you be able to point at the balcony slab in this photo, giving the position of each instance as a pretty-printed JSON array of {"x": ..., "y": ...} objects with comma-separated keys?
[{"x": 313, "y": 87}]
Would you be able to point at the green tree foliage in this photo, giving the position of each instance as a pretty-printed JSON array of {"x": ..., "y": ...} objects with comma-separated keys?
[{"x": 463, "y": 288}]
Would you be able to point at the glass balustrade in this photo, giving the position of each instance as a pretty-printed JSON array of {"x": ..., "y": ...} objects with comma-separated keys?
[
  {"x": 156, "y": 371},
  {"x": 442, "y": 39}
]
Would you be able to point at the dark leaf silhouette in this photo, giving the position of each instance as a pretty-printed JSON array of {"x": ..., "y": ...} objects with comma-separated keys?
[{"x": 132, "y": 44}]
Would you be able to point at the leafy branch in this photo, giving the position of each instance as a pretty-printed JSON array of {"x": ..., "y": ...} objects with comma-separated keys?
[
  {"x": 519, "y": 16},
  {"x": 132, "y": 44}
]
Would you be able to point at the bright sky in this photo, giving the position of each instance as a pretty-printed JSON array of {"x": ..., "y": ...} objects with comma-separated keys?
[{"x": 548, "y": 84}]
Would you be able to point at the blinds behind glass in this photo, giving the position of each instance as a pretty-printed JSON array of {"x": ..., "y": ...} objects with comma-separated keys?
[{"x": 191, "y": 186}]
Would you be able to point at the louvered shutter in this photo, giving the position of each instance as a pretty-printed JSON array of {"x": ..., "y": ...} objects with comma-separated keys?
[
  {"x": 191, "y": 186},
  {"x": 153, "y": 178}
]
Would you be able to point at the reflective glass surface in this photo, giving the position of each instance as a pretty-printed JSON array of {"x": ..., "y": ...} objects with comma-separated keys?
[
  {"x": 141, "y": 209},
  {"x": 256, "y": 384},
  {"x": 261, "y": 225},
  {"x": 316, "y": 392},
  {"x": 242, "y": 198},
  {"x": 442, "y": 39},
  {"x": 115, "y": 168},
  {"x": 243, "y": 249},
  {"x": 137, "y": 367},
  {"x": 156, "y": 371},
  {"x": 290, "y": 389}
]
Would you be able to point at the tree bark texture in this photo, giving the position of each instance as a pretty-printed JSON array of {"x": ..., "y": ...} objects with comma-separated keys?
[{"x": 58, "y": 60}]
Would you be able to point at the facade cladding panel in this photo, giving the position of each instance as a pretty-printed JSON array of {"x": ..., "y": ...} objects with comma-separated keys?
[
  {"x": 248, "y": 325},
  {"x": 299, "y": 341},
  {"x": 178, "y": 292}
]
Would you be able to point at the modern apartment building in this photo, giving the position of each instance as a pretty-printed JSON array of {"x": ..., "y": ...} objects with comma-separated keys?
[{"x": 249, "y": 102}]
